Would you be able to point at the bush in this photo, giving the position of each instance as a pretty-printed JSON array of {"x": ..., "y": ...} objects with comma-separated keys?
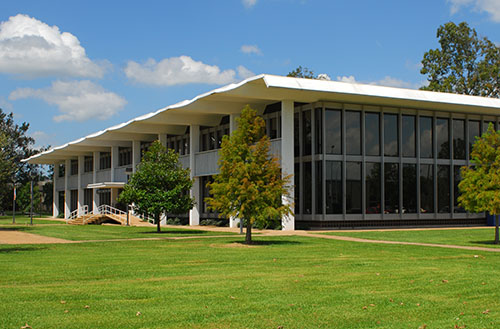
[
  {"x": 174, "y": 221},
  {"x": 214, "y": 222}
]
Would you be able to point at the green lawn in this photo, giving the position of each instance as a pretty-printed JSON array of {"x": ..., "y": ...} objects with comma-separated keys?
[
  {"x": 283, "y": 282},
  {"x": 7, "y": 220},
  {"x": 481, "y": 237}
]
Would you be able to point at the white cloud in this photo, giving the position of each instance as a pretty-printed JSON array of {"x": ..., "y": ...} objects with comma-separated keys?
[
  {"x": 492, "y": 7},
  {"x": 249, "y": 3},
  {"x": 250, "y": 49},
  {"x": 31, "y": 48},
  {"x": 180, "y": 71},
  {"x": 76, "y": 100},
  {"x": 244, "y": 73},
  {"x": 43, "y": 139},
  {"x": 386, "y": 81},
  {"x": 6, "y": 106}
]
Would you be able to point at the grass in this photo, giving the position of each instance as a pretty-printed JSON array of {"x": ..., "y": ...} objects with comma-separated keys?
[
  {"x": 21, "y": 219},
  {"x": 288, "y": 282},
  {"x": 481, "y": 237}
]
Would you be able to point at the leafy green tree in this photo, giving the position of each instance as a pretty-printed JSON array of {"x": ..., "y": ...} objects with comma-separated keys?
[
  {"x": 480, "y": 185},
  {"x": 302, "y": 72},
  {"x": 249, "y": 185},
  {"x": 160, "y": 185},
  {"x": 23, "y": 199},
  {"x": 464, "y": 63}
]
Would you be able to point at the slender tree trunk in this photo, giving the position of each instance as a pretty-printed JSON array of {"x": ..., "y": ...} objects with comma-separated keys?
[
  {"x": 496, "y": 229},
  {"x": 157, "y": 219},
  {"x": 248, "y": 236}
]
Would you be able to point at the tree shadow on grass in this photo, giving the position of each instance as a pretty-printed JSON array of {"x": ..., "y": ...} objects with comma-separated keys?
[
  {"x": 486, "y": 242},
  {"x": 9, "y": 250},
  {"x": 267, "y": 242},
  {"x": 174, "y": 232},
  {"x": 15, "y": 228}
]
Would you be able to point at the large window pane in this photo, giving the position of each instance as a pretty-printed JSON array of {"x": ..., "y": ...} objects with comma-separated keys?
[
  {"x": 306, "y": 132},
  {"x": 353, "y": 132},
  {"x": 409, "y": 188},
  {"x": 333, "y": 131},
  {"x": 443, "y": 138},
  {"x": 426, "y": 188},
  {"x": 297, "y": 187},
  {"x": 296, "y": 134},
  {"x": 318, "y": 127},
  {"x": 391, "y": 135},
  {"x": 457, "y": 177},
  {"x": 426, "y": 137},
  {"x": 443, "y": 189},
  {"x": 474, "y": 131},
  {"x": 319, "y": 187},
  {"x": 373, "y": 199},
  {"x": 391, "y": 187},
  {"x": 409, "y": 136},
  {"x": 353, "y": 187},
  {"x": 307, "y": 191},
  {"x": 333, "y": 187},
  {"x": 372, "y": 134},
  {"x": 459, "y": 139}
]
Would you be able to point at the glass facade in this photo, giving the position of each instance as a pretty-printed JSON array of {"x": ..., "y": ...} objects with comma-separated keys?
[{"x": 391, "y": 144}]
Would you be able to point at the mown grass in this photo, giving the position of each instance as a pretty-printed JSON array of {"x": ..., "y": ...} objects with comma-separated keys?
[
  {"x": 288, "y": 282},
  {"x": 21, "y": 219},
  {"x": 479, "y": 237}
]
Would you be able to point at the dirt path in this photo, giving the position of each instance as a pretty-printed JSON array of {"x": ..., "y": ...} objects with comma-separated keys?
[{"x": 15, "y": 237}]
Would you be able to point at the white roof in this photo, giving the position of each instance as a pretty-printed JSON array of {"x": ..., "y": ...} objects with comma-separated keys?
[{"x": 260, "y": 90}]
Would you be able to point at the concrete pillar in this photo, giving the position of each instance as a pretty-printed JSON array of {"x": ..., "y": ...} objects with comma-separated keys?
[
  {"x": 81, "y": 160},
  {"x": 67, "y": 193},
  {"x": 287, "y": 157},
  {"x": 95, "y": 204},
  {"x": 55, "y": 196},
  {"x": 114, "y": 196},
  {"x": 194, "y": 147},
  {"x": 163, "y": 139},
  {"x": 114, "y": 162},
  {"x": 233, "y": 125},
  {"x": 136, "y": 154}
]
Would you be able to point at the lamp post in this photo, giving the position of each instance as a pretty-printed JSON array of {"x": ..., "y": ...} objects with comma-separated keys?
[
  {"x": 31, "y": 211},
  {"x": 14, "y": 205}
]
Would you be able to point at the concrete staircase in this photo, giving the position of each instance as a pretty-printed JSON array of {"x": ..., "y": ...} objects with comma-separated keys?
[{"x": 105, "y": 214}]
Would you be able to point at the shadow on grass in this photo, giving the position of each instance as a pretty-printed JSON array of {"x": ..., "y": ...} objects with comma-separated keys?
[
  {"x": 174, "y": 232},
  {"x": 485, "y": 242},
  {"x": 16, "y": 228},
  {"x": 18, "y": 249},
  {"x": 266, "y": 242}
]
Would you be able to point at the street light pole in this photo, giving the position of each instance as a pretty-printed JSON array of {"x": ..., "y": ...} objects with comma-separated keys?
[
  {"x": 31, "y": 212},
  {"x": 14, "y": 206}
]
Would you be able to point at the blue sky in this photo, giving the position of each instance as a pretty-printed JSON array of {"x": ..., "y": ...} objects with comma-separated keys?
[{"x": 72, "y": 68}]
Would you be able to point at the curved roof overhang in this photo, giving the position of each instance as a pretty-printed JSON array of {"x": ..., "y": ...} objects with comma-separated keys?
[{"x": 207, "y": 109}]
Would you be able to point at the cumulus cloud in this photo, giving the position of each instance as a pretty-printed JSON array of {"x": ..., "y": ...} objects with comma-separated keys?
[
  {"x": 244, "y": 73},
  {"x": 76, "y": 100},
  {"x": 492, "y": 7},
  {"x": 180, "y": 71},
  {"x": 250, "y": 49},
  {"x": 43, "y": 139},
  {"x": 249, "y": 3},
  {"x": 31, "y": 48},
  {"x": 387, "y": 81}
]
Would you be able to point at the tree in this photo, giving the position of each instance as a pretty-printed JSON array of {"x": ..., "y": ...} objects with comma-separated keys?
[
  {"x": 480, "y": 185},
  {"x": 302, "y": 72},
  {"x": 464, "y": 63},
  {"x": 249, "y": 185},
  {"x": 23, "y": 199},
  {"x": 160, "y": 185}
]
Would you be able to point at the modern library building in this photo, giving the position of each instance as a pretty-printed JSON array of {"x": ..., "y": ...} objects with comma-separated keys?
[{"x": 360, "y": 155}]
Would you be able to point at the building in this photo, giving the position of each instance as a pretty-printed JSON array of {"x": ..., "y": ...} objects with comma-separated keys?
[{"x": 361, "y": 155}]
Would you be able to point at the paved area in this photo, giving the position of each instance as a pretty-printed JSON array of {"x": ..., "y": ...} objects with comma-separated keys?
[{"x": 16, "y": 237}]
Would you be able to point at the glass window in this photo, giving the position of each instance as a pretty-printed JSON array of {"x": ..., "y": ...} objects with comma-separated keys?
[
  {"x": 88, "y": 164},
  {"x": 459, "y": 139},
  {"x": 353, "y": 188},
  {"x": 391, "y": 144},
  {"x": 88, "y": 197},
  {"x": 307, "y": 190},
  {"x": 372, "y": 134},
  {"x": 409, "y": 188},
  {"x": 443, "y": 138},
  {"x": 297, "y": 187},
  {"x": 296, "y": 134},
  {"x": 443, "y": 180},
  {"x": 391, "y": 188},
  {"x": 62, "y": 170},
  {"x": 124, "y": 156},
  {"x": 73, "y": 200},
  {"x": 408, "y": 133},
  {"x": 306, "y": 132},
  {"x": 333, "y": 187},
  {"x": 211, "y": 140},
  {"x": 318, "y": 120},
  {"x": 353, "y": 132},
  {"x": 104, "y": 160},
  {"x": 61, "y": 203},
  {"x": 333, "y": 131},
  {"x": 474, "y": 132},
  {"x": 426, "y": 188},
  {"x": 426, "y": 148},
  {"x": 319, "y": 187},
  {"x": 273, "y": 128},
  {"x": 74, "y": 167},
  {"x": 373, "y": 188},
  {"x": 457, "y": 177}
]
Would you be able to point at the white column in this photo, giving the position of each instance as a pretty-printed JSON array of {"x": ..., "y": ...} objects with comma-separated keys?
[
  {"x": 55, "y": 196},
  {"x": 136, "y": 154},
  {"x": 287, "y": 157},
  {"x": 114, "y": 163},
  {"x": 163, "y": 139},
  {"x": 81, "y": 160},
  {"x": 95, "y": 204},
  {"x": 233, "y": 125},
  {"x": 194, "y": 147},
  {"x": 67, "y": 193}
]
